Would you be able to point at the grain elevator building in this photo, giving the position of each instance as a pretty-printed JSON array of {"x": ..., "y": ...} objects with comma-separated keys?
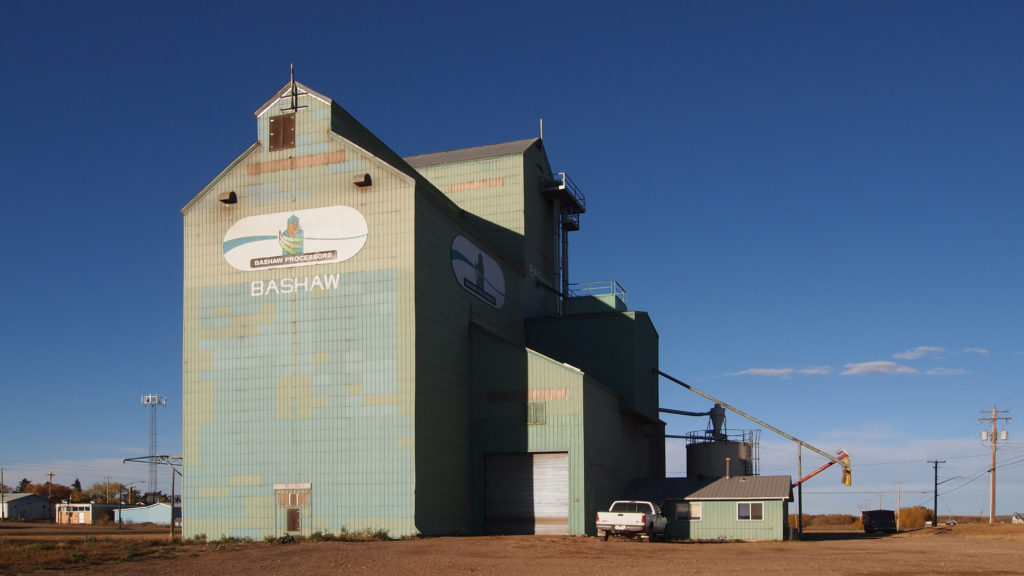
[{"x": 374, "y": 342}]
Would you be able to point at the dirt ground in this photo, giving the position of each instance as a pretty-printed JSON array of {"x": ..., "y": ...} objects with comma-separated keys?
[{"x": 961, "y": 550}]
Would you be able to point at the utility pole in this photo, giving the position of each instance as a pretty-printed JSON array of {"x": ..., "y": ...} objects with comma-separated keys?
[
  {"x": 49, "y": 485},
  {"x": 899, "y": 498},
  {"x": 935, "y": 501},
  {"x": 994, "y": 419},
  {"x": 800, "y": 491},
  {"x": 3, "y": 509}
]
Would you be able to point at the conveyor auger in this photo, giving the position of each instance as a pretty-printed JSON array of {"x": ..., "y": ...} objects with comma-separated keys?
[{"x": 841, "y": 457}]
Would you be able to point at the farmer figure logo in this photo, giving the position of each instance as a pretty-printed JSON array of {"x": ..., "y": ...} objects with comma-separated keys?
[{"x": 291, "y": 240}]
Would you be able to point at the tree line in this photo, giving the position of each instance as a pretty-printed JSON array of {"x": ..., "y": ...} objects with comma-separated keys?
[{"x": 105, "y": 492}]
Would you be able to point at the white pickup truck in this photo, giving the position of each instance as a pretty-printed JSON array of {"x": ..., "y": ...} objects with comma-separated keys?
[{"x": 632, "y": 518}]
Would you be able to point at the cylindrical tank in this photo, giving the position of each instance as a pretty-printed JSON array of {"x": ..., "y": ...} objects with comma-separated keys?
[{"x": 707, "y": 459}]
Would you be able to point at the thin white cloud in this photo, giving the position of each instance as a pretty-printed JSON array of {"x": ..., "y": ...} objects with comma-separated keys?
[
  {"x": 920, "y": 352},
  {"x": 783, "y": 372},
  {"x": 946, "y": 372},
  {"x": 978, "y": 351},
  {"x": 816, "y": 370},
  {"x": 881, "y": 367},
  {"x": 769, "y": 372}
]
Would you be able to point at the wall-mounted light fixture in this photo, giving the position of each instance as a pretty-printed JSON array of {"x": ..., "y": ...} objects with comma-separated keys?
[{"x": 362, "y": 180}]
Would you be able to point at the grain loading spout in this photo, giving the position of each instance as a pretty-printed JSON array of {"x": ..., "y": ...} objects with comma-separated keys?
[{"x": 841, "y": 457}]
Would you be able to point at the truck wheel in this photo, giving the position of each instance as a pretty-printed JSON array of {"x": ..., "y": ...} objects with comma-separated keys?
[{"x": 603, "y": 535}]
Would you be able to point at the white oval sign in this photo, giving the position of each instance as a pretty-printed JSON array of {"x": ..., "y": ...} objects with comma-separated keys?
[
  {"x": 478, "y": 273},
  {"x": 299, "y": 238}
]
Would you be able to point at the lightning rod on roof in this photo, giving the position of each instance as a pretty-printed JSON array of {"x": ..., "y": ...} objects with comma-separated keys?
[
  {"x": 541, "y": 128},
  {"x": 294, "y": 90}
]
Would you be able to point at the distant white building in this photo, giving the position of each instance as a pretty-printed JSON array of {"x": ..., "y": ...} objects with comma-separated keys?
[
  {"x": 26, "y": 506},
  {"x": 84, "y": 512},
  {"x": 159, "y": 513}
]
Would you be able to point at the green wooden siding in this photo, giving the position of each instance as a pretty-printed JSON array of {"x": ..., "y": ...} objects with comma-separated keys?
[{"x": 719, "y": 521}]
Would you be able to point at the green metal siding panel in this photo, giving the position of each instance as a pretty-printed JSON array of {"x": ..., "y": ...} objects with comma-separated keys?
[
  {"x": 444, "y": 312},
  {"x": 541, "y": 237},
  {"x": 645, "y": 366},
  {"x": 606, "y": 473},
  {"x": 562, "y": 430},
  {"x": 371, "y": 392},
  {"x": 618, "y": 349},
  {"x": 491, "y": 191},
  {"x": 506, "y": 378},
  {"x": 443, "y": 476},
  {"x": 504, "y": 200},
  {"x": 279, "y": 387}
]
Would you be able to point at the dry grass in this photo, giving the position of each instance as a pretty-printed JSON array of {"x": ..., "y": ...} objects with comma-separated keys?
[
  {"x": 32, "y": 547},
  {"x": 28, "y": 546},
  {"x": 20, "y": 556}
]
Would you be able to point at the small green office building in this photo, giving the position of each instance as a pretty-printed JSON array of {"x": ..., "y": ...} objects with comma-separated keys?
[
  {"x": 732, "y": 508},
  {"x": 372, "y": 342}
]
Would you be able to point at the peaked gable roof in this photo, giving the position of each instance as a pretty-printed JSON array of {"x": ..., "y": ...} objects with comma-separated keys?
[
  {"x": 286, "y": 92},
  {"x": 343, "y": 124},
  {"x": 12, "y": 496},
  {"x": 746, "y": 488}
]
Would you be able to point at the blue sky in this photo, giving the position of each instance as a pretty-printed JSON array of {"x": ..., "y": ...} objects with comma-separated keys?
[{"x": 819, "y": 204}]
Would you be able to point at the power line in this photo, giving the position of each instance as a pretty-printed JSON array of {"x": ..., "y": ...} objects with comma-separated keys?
[
  {"x": 886, "y": 492},
  {"x": 1005, "y": 400}
]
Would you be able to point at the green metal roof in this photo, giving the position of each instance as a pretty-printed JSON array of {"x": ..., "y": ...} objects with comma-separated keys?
[
  {"x": 476, "y": 153},
  {"x": 746, "y": 488}
]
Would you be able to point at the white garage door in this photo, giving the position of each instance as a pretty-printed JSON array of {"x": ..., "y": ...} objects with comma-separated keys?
[{"x": 526, "y": 493}]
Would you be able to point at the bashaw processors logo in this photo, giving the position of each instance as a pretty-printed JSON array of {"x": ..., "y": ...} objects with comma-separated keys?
[
  {"x": 478, "y": 273},
  {"x": 300, "y": 238}
]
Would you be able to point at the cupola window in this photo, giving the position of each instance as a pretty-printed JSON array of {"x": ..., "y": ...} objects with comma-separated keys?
[{"x": 282, "y": 132}]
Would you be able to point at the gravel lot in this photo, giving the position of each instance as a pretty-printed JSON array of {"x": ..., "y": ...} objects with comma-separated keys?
[{"x": 962, "y": 550}]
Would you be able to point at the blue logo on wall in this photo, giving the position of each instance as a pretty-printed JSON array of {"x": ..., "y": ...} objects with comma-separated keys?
[{"x": 291, "y": 238}]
